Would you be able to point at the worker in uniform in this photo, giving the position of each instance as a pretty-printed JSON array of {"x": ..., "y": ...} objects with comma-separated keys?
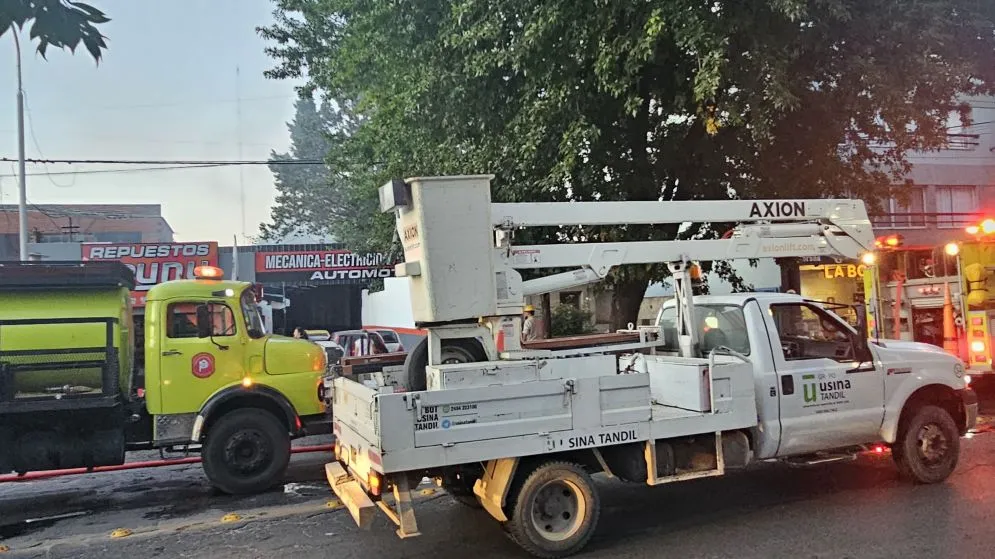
[{"x": 529, "y": 324}]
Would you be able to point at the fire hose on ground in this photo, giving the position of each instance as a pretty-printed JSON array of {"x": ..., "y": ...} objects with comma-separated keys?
[{"x": 34, "y": 476}]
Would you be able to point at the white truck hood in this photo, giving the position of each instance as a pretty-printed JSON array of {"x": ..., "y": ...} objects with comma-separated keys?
[
  {"x": 924, "y": 360},
  {"x": 910, "y": 348}
]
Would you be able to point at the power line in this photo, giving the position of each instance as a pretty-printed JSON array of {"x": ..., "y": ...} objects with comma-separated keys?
[
  {"x": 164, "y": 105},
  {"x": 34, "y": 139},
  {"x": 114, "y": 171},
  {"x": 219, "y": 163}
]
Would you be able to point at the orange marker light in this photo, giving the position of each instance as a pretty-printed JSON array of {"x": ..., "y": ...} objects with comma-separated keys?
[
  {"x": 892, "y": 241},
  {"x": 208, "y": 272},
  {"x": 988, "y": 226}
]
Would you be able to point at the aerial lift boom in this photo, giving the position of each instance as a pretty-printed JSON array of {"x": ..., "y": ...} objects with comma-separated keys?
[{"x": 459, "y": 254}]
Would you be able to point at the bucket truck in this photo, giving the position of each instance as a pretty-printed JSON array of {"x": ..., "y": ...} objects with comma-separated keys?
[{"x": 720, "y": 383}]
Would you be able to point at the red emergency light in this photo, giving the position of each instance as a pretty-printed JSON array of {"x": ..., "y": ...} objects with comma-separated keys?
[{"x": 984, "y": 227}]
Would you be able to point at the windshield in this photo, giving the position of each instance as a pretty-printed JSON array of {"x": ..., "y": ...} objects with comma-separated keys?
[
  {"x": 718, "y": 325},
  {"x": 388, "y": 336},
  {"x": 253, "y": 319}
]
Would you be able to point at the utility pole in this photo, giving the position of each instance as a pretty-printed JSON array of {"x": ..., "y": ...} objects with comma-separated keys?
[
  {"x": 241, "y": 168},
  {"x": 22, "y": 189}
]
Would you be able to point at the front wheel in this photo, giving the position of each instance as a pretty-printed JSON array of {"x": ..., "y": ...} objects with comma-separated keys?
[
  {"x": 246, "y": 451},
  {"x": 555, "y": 510},
  {"x": 928, "y": 446}
]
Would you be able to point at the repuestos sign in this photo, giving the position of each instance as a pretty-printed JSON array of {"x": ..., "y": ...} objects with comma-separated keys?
[
  {"x": 318, "y": 265},
  {"x": 154, "y": 263}
]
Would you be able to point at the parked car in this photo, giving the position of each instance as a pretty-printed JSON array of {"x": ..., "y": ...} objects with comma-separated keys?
[
  {"x": 361, "y": 342},
  {"x": 318, "y": 335},
  {"x": 391, "y": 340}
]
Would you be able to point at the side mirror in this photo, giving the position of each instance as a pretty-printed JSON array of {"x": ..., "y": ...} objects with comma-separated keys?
[{"x": 204, "y": 323}]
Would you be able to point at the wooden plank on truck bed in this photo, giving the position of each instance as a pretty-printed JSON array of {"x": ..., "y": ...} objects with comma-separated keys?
[{"x": 360, "y": 364}]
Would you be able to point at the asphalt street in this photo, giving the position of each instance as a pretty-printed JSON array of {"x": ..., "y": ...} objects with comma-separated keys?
[{"x": 851, "y": 510}]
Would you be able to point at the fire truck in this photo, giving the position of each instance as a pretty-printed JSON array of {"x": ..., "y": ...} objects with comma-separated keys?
[{"x": 943, "y": 295}]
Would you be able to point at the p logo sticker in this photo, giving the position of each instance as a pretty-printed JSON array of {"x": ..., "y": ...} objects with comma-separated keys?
[{"x": 202, "y": 365}]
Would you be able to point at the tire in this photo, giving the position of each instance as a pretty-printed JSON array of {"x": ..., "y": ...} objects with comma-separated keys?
[
  {"x": 247, "y": 451},
  {"x": 554, "y": 512},
  {"x": 928, "y": 446},
  {"x": 453, "y": 351}
]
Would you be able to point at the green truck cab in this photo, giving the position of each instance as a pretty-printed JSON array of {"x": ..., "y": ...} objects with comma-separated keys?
[{"x": 72, "y": 396}]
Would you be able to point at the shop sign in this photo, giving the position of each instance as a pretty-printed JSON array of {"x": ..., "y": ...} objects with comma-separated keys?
[
  {"x": 321, "y": 265},
  {"x": 849, "y": 271},
  {"x": 154, "y": 263}
]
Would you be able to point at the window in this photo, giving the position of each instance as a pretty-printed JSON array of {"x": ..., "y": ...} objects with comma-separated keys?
[
  {"x": 571, "y": 298},
  {"x": 905, "y": 213},
  {"x": 718, "y": 325},
  {"x": 388, "y": 336},
  {"x": 955, "y": 205},
  {"x": 182, "y": 320},
  {"x": 253, "y": 318},
  {"x": 807, "y": 332}
]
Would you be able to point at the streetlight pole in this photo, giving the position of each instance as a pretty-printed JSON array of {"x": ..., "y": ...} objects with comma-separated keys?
[{"x": 22, "y": 191}]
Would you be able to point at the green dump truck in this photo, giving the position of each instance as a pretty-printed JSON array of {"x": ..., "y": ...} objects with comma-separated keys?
[{"x": 72, "y": 396}]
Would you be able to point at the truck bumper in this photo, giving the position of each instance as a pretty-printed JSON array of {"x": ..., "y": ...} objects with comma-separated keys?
[{"x": 969, "y": 399}]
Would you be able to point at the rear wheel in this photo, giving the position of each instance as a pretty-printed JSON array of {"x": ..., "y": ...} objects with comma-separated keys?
[
  {"x": 246, "y": 451},
  {"x": 928, "y": 446},
  {"x": 554, "y": 511}
]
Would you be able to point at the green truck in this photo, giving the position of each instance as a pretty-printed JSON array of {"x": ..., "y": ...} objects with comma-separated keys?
[{"x": 72, "y": 395}]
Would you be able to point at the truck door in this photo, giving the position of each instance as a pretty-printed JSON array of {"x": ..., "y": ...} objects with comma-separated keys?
[
  {"x": 193, "y": 368},
  {"x": 828, "y": 399}
]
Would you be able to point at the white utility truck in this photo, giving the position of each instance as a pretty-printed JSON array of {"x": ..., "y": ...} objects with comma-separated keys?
[{"x": 720, "y": 383}]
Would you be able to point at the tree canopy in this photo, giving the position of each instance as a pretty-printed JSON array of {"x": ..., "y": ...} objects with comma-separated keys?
[
  {"x": 308, "y": 196},
  {"x": 57, "y": 23},
  {"x": 652, "y": 100}
]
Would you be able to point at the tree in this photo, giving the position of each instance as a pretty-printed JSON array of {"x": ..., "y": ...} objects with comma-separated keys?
[
  {"x": 656, "y": 100},
  {"x": 57, "y": 23}
]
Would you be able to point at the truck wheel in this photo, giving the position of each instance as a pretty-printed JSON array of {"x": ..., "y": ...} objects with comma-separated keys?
[
  {"x": 246, "y": 451},
  {"x": 453, "y": 351},
  {"x": 555, "y": 510},
  {"x": 928, "y": 446}
]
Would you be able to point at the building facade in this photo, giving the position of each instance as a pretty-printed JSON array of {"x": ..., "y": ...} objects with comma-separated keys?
[{"x": 67, "y": 225}]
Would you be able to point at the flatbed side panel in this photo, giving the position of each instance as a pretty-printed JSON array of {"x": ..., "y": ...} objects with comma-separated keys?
[
  {"x": 473, "y": 414},
  {"x": 624, "y": 399},
  {"x": 355, "y": 405}
]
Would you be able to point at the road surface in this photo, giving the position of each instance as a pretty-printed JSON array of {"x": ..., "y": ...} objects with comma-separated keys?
[{"x": 856, "y": 510}]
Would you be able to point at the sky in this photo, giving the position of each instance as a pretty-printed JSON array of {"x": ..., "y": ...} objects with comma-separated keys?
[{"x": 167, "y": 89}]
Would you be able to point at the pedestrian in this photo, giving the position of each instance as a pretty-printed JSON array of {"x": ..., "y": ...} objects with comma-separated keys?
[
  {"x": 299, "y": 333},
  {"x": 529, "y": 324}
]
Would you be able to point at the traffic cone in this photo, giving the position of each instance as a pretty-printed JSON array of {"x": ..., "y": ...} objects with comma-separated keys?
[{"x": 949, "y": 330}]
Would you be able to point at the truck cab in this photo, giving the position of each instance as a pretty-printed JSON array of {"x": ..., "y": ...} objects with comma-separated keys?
[{"x": 812, "y": 370}]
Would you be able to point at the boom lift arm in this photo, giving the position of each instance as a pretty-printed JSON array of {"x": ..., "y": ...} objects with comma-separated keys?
[{"x": 459, "y": 255}]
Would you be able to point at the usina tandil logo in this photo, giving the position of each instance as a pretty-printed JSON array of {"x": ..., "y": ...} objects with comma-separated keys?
[{"x": 823, "y": 390}]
